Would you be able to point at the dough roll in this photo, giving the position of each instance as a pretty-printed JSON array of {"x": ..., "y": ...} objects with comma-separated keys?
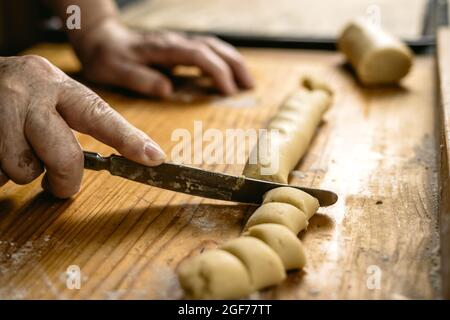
[
  {"x": 214, "y": 274},
  {"x": 303, "y": 201},
  {"x": 377, "y": 56},
  {"x": 283, "y": 241},
  {"x": 296, "y": 122},
  {"x": 263, "y": 264},
  {"x": 280, "y": 213}
]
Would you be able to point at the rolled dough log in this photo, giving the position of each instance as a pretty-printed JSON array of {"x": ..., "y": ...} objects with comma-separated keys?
[
  {"x": 377, "y": 57},
  {"x": 303, "y": 201},
  {"x": 280, "y": 213},
  {"x": 263, "y": 264},
  {"x": 296, "y": 122},
  {"x": 214, "y": 274},
  {"x": 283, "y": 241}
]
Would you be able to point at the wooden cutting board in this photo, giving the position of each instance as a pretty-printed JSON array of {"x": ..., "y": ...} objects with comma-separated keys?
[{"x": 377, "y": 148}]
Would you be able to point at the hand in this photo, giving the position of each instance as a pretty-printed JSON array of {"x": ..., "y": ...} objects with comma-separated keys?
[
  {"x": 112, "y": 54},
  {"x": 38, "y": 106}
]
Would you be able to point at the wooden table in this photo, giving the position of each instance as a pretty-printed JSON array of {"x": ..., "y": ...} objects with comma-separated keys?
[{"x": 378, "y": 149}]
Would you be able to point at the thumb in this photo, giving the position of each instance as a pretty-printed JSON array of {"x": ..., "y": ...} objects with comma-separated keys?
[{"x": 142, "y": 79}]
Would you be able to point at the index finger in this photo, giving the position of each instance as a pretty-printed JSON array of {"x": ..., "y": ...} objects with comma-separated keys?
[
  {"x": 86, "y": 112},
  {"x": 186, "y": 52},
  {"x": 233, "y": 58}
]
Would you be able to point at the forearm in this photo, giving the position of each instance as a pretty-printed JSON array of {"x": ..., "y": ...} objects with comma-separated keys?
[{"x": 93, "y": 13}]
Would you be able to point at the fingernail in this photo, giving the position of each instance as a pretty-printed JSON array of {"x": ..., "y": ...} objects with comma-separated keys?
[{"x": 154, "y": 152}]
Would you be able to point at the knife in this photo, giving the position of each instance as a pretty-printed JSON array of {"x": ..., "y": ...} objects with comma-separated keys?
[{"x": 196, "y": 181}]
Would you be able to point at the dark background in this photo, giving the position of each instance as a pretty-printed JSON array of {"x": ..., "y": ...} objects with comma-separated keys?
[{"x": 26, "y": 22}]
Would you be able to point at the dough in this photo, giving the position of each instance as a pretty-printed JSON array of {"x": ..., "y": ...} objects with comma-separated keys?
[
  {"x": 270, "y": 245},
  {"x": 263, "y": 264},
  {"x": 296, "y": 122},
  {"x": 377, "y": 57},
  {"x": 285, "y": 243},
  {"x": 280, "y": 213},
  {"x": 313, "y": 83},
  {"x": 298, "y": 198},
  {"x": 214, "y": 274}
]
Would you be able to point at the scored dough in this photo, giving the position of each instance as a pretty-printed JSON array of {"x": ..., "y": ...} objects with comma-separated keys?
[
  {"x": 214, "y": 274},
  {"x": 298, "y": 198},
  {"x": 377, "y": 57},
  {"x": 280, "y": 213},
  {"x": 296, "y": 122},
  {"x": 263, "y": 264},
  {"x": 285, "y": 243}
]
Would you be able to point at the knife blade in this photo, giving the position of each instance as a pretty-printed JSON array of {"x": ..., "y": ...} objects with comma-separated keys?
[{"x": 196, "y": 181}]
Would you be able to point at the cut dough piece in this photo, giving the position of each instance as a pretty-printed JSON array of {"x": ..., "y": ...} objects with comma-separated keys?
[
  {"x": 280, "y": 213},
  {"x": 377, "y": 57},
  {"x": 285, "y": 243},
  {"x": 296, "y": 122},
  {"x": 214, "y": 274},
  {"x": 263, "y": 264},
  {"x": 313, "y": 83},
  {"x": 298, "y": 198}
]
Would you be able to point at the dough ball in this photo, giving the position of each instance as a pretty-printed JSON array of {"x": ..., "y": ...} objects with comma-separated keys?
[
  {"x": 263, "y": 264},
  {"x": 377, "y": 57},
  {"x": 285, "y": 243},
  {"x": 298, "y": 198},
  {"x": 280, "y": 213},
  {"x": 214, "y": 274},
  {"x": 313, "y": 83}
]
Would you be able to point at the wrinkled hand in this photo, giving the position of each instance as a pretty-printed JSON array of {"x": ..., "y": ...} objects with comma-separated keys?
[
  {"x": 115, "y": 55},
  {"x": 39, "y": 105}
]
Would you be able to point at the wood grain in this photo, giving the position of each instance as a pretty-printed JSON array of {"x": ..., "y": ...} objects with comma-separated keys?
[
  {"x": 443, "y": 54},
  {"x": 378, "y": 149}
]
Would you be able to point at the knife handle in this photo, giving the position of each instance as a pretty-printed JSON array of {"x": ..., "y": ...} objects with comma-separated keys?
[{"x": 95, "y": 161}]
